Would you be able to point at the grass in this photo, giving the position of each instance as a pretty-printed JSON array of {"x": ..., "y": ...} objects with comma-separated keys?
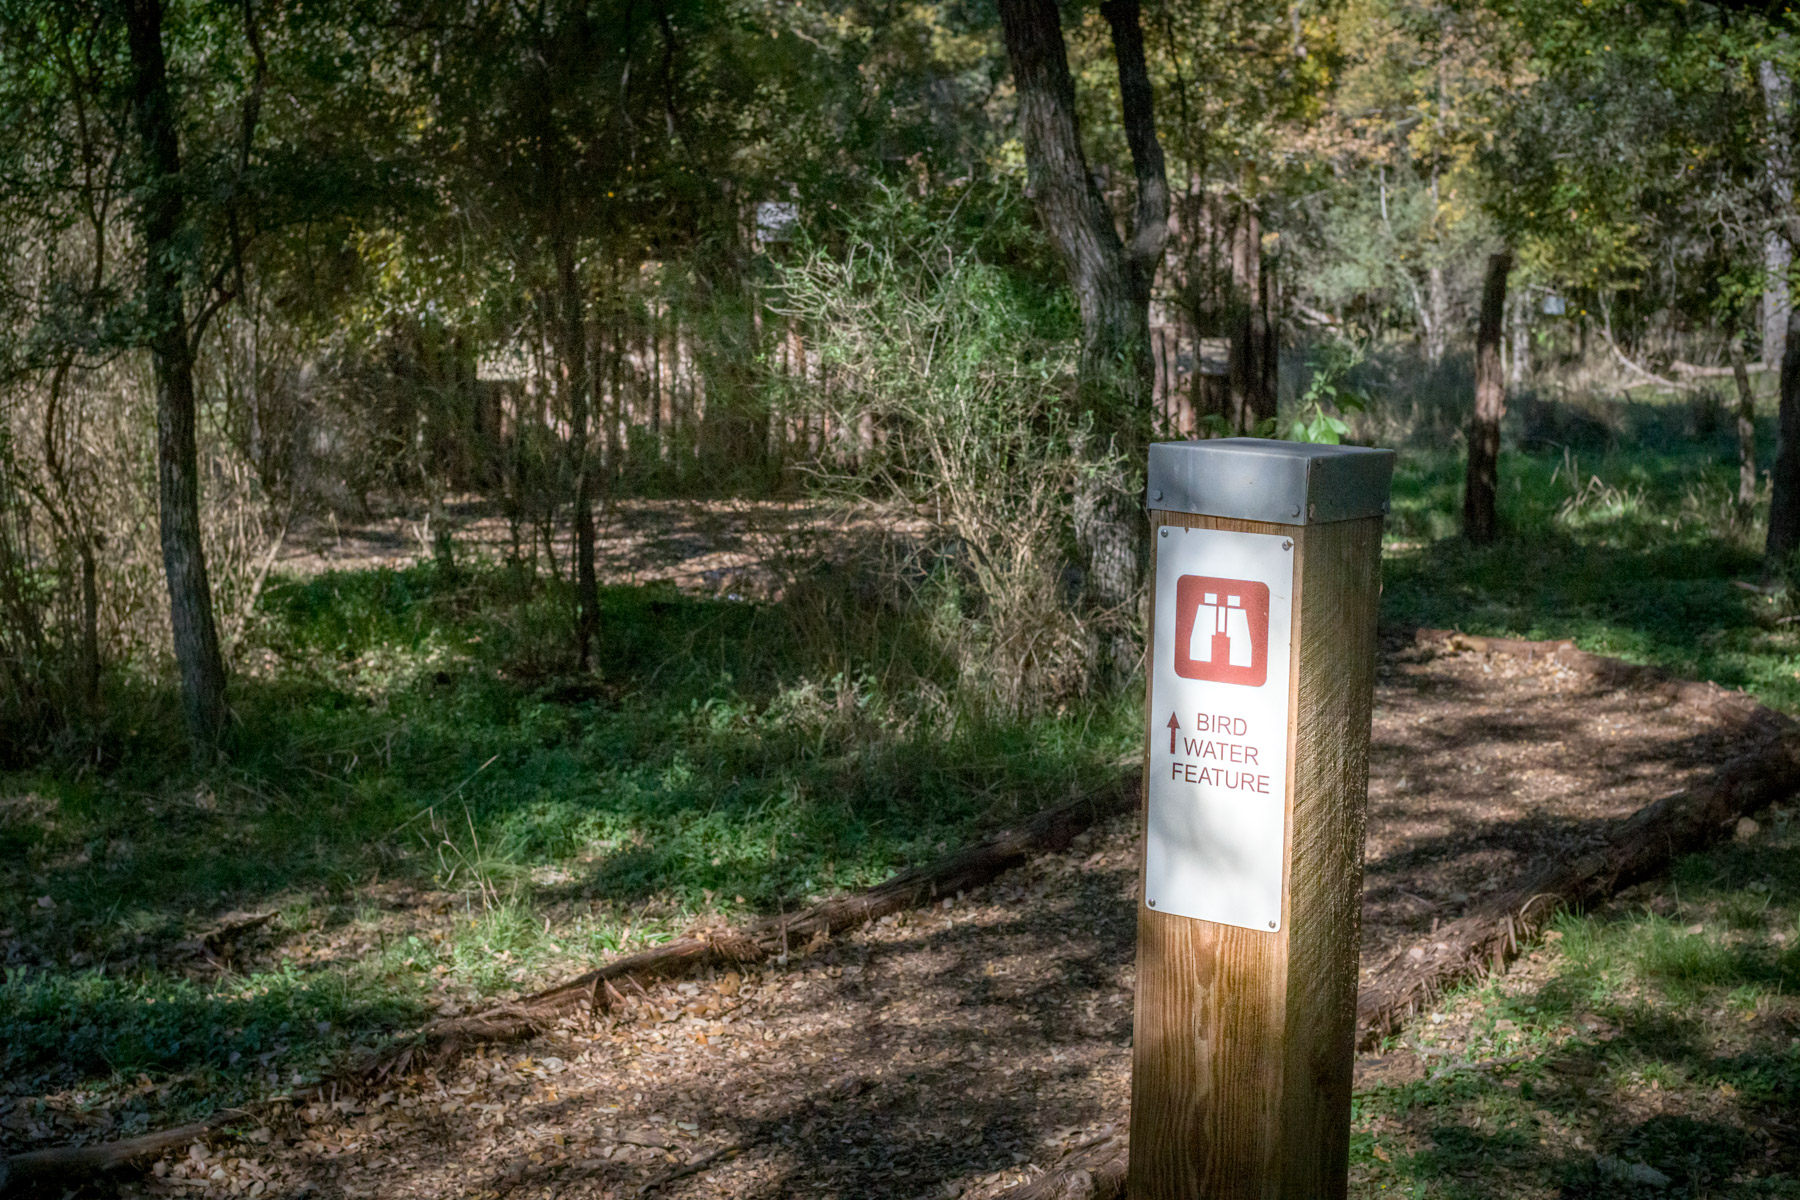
[
  {"x": 1632, "y": 547},
  {"x": 1655, "y": 1039},
  {"x": 443, "y": 812},
  {"x": 440, "y": 811}
]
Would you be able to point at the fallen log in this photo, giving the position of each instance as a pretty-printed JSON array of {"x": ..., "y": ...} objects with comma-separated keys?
[
  {"x": 597, "y": 990},
  {"x": 1095, "y": 1170},
  {"x": 40, "y": 1172},
  {"x": 1632, "y": 849}
]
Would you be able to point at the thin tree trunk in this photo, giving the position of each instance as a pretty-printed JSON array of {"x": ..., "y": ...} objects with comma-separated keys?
[
  {"x": 1268, "y": 339},
  {"x": 1746, "y": 427},
  {"x": 77, "y": 528},
  {"x": 1111, "y": 279},
  {"x": 1519, "y": 369},
  {"x": 1437, "y": 297},
  {"x": 1246, "y": 346},
  {"x": 196, "y": 637},
  {"x": 572, "y": 316},
  {"x": 1784, "y": 500},
  {"x": 1778, "y": 250},
  {"x": 1480, "y": 520}
]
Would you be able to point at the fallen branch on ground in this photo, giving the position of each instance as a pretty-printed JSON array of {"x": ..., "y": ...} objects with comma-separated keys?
[
  {"x": 1699, "y": 372},
  {"x": 1633, "y": 849},
  {"x": 962, "y": 871},
  {"x": 441, "y": 1041},
  {"x": 47, "y": 1171},
  {"x": 1094, "y": 1170}
]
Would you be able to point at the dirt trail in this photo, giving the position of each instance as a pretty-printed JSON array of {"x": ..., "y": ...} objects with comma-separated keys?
[
  {"x": 703, "y": 547},
  {"x": 935, "y": 1053}
]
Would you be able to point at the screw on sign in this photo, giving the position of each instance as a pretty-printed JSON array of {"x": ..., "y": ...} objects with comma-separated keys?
[{"x": 1262, "y": 646}]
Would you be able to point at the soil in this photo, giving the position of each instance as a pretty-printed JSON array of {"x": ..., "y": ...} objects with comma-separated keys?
[
  {"x": 702, "y": 547},
  {"x": 940, "y": 1053}
]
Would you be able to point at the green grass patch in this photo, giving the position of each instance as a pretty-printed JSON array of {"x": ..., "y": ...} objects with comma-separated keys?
[
  {"x": 1656, "y": 1039},
  {"x": 444, "y": 812}
]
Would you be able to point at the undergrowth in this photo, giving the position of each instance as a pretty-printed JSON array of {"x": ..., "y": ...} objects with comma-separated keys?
[{"x": 443, "y": 812}]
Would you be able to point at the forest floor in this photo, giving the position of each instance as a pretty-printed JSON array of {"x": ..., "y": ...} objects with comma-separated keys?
[
  {"x": 427, "y": 810},
  {"x": 730, "y": 548},
  {"x": 943, "y": 1052}
]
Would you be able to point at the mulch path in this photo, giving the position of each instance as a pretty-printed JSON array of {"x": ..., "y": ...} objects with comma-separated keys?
[{"x": 937, "y": 1052}]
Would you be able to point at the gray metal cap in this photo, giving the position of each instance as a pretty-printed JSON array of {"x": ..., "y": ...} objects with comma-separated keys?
[{"x": 1255, "y": 479}]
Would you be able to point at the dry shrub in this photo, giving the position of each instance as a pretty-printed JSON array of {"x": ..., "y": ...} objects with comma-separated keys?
[
  {"x": 949, "y": 409},
  {"x": 85, "y": 470}
]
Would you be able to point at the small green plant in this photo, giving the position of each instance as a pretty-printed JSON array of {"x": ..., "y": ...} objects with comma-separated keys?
[{"x": 1329, "y": 395}]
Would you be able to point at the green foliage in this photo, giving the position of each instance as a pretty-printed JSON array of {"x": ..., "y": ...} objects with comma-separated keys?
[
  {"x": 1632, "y": 548},
  {"x": 948, "y": 378},
  {"x": 1329, "y": 394}
]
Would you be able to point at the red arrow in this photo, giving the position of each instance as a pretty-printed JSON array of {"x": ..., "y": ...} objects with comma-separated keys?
[{"x": 1173, "y": 726}]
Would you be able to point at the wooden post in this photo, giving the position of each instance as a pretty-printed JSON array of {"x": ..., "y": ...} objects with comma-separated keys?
[{"x": 1266, "y": 567}]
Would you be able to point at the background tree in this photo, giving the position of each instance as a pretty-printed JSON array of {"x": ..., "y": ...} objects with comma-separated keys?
[{"x": 1111, "y": 276}]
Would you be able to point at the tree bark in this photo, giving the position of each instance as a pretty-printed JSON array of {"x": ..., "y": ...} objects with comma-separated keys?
[
  {"x": 578, "y": 385},
  {"x": 1111, "y": 278},
  {"x": 196, "y": 637},
  {"x": 1519, "y": 369},
  {"x": 1778, "y": 169},
  {"x": 1437, "y": 299},
  {"x": 1480, "y": 520},
  {"x": 1250, "y": 362},
  {"x": 1746, "y": 427},
  {"x": 1784, "y": 500}
]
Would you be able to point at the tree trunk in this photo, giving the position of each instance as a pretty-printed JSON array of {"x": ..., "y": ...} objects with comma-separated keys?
[
  {"x": 1111, "y": 280},
  {"x": 1519, "y": 370},
  {"x": 1784, "y": 500},
  {"x": 1111, "y": 277},
  {"x": 1746, "y": 427},
  {"x": 572, "y": 333},
  {"x": 1268, "y": 338},
  {"x": 1778, "y": 168},
  {"x": 1480, "y": 521},
  {"x": 1252, "y": 397},
  {"x": 1437, "y": 298},
  {"x": 202, "y": 668}
]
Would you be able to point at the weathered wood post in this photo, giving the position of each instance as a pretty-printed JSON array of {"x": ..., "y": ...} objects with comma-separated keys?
[{"x": 1266, "y": 568}]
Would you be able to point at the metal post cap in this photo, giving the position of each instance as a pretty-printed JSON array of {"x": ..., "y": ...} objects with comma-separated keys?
[{"x": 1257, "y": 479}]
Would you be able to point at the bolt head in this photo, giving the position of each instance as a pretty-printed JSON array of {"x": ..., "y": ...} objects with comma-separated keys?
[
  {"x": 1294, "y": 511},
  {"x": 1157, "y": 494}
]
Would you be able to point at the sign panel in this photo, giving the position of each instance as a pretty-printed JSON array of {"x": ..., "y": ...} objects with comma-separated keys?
[{"x": 1215, "y": 842}]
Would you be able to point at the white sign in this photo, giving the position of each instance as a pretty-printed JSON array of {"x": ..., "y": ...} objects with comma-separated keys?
[{"x": 1215, "y": 845}]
